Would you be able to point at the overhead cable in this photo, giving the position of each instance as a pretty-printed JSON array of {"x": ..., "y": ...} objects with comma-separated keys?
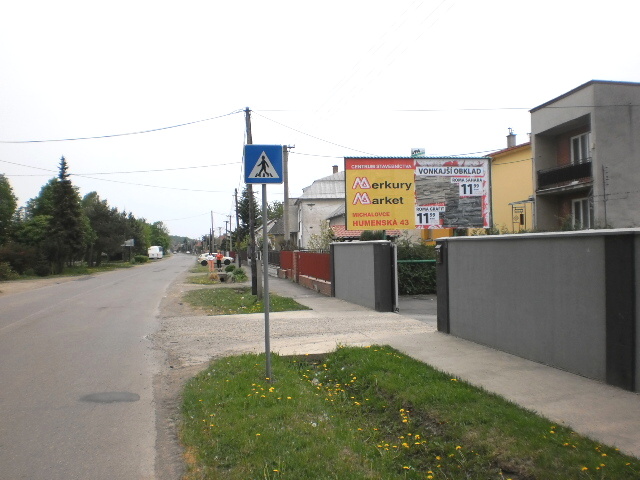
[{"x": 122, "y": 134}]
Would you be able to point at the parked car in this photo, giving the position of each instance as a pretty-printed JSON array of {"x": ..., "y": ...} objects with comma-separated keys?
[{"x": 202, "y": 259}]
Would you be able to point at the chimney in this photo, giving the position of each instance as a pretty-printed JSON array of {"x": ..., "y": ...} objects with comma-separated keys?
[
  {"x": 335, "y": 169},
  {"x": 511, "y": 139}
]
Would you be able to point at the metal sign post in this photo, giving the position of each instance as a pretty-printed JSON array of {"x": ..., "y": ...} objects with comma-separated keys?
[
  {"x": 265, "y": 276},
  {"x": 263, "y": 164}
]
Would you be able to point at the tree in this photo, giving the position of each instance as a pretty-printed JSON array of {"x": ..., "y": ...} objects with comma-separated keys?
[
  {"x": 106, "y": 227},
  {"x": 242, "y": 230},
  {"x": 8, "y": 204},
  {"x": 43, "y": 203},
  {"x": 67, "y": 225},
  {"x": 160, "y": 236},
  {"x": 275, "y": 210}
]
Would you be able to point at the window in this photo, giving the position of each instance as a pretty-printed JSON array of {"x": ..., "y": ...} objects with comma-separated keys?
[
  {"x": 580, "y": 148},
  {"x": 582, "y": 214}
]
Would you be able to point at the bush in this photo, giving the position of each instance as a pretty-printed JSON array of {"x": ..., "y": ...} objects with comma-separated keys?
[
  {"x": 6, "y": 272},
  {"x": 21, "y": 258},
  {"x": 416, "y": 278},
  {"x": 229, "y": 268},
  {"x": 239, "y": 275},
  {"x": 42, "y": 267},
  {"x": 369, "y": 235},
  {"x": 140, "y": 259}
]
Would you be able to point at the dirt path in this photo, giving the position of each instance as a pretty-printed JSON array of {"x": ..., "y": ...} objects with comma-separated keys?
[{"x": 18, "y": 286}]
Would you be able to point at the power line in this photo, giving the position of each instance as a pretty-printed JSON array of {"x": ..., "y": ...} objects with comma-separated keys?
[
  {"x": 121, "y": 172},
  {"x": 149, "y": 186},
  {"x": 163, "y": 169},
  {"x": 122, "y": 134},
  {"x": 309, "y": 135}
]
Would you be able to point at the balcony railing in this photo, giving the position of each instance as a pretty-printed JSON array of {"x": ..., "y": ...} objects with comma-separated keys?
[{"x": 565, "y": 174}]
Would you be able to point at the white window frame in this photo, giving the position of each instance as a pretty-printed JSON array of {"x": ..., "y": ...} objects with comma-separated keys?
[
  {"x": 580, "y": 148},
  {"x": 582, "y": 213}
]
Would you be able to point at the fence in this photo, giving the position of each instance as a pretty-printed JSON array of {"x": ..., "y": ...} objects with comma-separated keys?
[
  {"x": 310, "y": 269},
  {"x": 569, "y": 300}
]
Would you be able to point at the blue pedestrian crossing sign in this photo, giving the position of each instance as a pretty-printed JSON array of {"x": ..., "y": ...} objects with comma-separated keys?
[{"x": 263, "y": 164}]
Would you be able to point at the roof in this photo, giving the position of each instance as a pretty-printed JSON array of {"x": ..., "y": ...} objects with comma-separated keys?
[
  {"x": 278, "y": 227},
  {"x": 330, "y": 187},
  {"x": 510, "y": 149},
  {"x": 584, "y": 85},
  {"x": 340, "y": 231},
  {"x": 338, "y": 212}
]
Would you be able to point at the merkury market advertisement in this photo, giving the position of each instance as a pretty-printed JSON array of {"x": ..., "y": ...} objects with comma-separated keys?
[{"x": 417, "y": 193}]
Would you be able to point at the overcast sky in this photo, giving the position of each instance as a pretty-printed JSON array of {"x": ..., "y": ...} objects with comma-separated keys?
[{"x": 334, "y": 78}]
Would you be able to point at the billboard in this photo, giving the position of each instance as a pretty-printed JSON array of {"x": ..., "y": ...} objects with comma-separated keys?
[{"x": 417, "y": 193}]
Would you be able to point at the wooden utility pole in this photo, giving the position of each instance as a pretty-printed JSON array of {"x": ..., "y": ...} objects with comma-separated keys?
[{"x": 252, "y": 214}]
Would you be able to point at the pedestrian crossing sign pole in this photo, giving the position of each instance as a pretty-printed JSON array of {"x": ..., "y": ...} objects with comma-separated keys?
[{"x": 263, "y": 164}]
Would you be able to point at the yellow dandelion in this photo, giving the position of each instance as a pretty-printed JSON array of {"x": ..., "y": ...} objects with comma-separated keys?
[
  {"x": 585, "y": 468},
  {"x": 458, "y": 447}
]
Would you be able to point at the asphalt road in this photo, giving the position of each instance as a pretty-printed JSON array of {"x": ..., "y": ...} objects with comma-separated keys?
[{"x": 76, "y": 371}]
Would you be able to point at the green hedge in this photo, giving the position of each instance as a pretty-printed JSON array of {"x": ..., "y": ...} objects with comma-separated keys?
[{"x": 416, "y": 278}]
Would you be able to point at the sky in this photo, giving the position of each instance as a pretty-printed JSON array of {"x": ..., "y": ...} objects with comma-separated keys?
[{"x": 146, "y": 99}]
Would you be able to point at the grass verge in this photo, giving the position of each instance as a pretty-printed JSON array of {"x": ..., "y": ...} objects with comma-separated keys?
[
  {"x": 373, "y": 413},
  {"x": 235, "y": 300}
]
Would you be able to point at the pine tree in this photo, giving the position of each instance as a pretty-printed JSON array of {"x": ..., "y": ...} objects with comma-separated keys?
[
  {"x": 8, "y": 204},
  {"x": 243, "y": 214},
  {"x": 67, "y": 226}
]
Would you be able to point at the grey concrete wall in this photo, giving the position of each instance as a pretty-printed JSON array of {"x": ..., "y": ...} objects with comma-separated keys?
[
  {"x": 539, "y": 296},
  {"x": 637, "y": 339},
  {"x": 362, "y": 274}
]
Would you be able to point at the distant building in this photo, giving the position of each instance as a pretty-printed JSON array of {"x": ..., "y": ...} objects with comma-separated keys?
[
  {"x": 316, "y": 204},
  {"x": 586, "y": 150}
]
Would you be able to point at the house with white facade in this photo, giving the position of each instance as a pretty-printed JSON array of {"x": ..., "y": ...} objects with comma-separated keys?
[{"x": 317, "y": 203}]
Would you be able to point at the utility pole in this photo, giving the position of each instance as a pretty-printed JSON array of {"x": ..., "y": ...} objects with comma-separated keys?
[
  {"x": 285, "y": 178},
  {"x": 252, "y": 214},
  {"x": 237, "y": 223},
  {"x": 213, "y": 246},
  {"x": 229, "y": 235}
]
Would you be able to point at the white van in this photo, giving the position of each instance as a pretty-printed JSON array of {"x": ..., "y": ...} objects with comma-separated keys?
[{"x": 155, "y": 252}]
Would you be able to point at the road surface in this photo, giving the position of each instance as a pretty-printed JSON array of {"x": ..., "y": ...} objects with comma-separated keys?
[{"x": 76, "y": 375}]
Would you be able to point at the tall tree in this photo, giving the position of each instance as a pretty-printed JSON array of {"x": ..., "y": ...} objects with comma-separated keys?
[
  {"x": 160, "y": 236},
  {"x": 43, "y": 203},
  {"x": 67, "y": 225},
  {"x": 8, "y": 204},
  {"x": 242, "y": 230},
  {"x": 106, "y": 224}
]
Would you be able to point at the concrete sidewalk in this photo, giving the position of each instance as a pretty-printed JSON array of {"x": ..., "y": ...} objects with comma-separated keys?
[{"x": 604, "y": 413}]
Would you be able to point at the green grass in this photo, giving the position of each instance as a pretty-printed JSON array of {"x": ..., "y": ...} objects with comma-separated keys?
[
  {"x": 202, "y": 280},
  {"x": 372, "y": 413},
  {"x": 235, "y": 300}
]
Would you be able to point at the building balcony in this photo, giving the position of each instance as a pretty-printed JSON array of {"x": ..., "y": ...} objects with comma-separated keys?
[{"x": 576, "y": 174}]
